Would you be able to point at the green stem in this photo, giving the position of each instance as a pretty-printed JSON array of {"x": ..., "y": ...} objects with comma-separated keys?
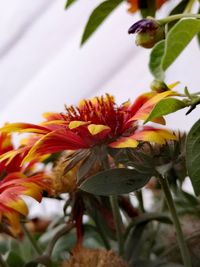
[
  {"x": 63, "y": 231},
  {"x": 177, "y": 17},
  {"x": 180, "y": 238},
  {"x": 189, "y": 6},
  {"x": 31, "y": 239},
  {"x": 102, "y": 235},
  {"x": 115, "y": 208},
  {"x": 2, "y": 262},
  {"x": 118, "y": 223}
]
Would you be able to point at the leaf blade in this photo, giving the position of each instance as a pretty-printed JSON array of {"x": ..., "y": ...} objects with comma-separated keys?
[
  {"x": 178, "y": 38},
  {"x": 69, "y": 3},
  {"x": 156, "y": 60},
  {"x": 193, "y": 156},
  {"x": 99, "y": 14},
  {"x": 164, "y": 107},
  {"x": 115, "y": 182}
]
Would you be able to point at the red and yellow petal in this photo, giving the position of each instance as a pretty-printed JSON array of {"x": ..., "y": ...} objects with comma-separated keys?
[
  {"x": 159, "y": 136},
  {"x": 55, "y": 141},
  {"x": 124, "y": 142},
  {"x": 75, "y": 124},
  {"x": 24, "y": 127},
  {"x": 143, "y": 112},
  {"x": 95, "y": 129}
]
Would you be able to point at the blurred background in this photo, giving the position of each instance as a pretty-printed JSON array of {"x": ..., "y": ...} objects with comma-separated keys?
[{"x": 43, "y": 67}]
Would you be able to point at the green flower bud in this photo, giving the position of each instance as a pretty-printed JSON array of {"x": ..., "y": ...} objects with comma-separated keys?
[
  {"x": 149, "y": 32},
  {"x": 158, "y": 86}
]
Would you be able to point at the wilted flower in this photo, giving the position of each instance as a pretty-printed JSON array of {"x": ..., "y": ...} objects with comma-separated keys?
[
  {"x": 64, "y": 182},
  {"x": 149, "y": 32},
  {"x": 94, "y": 257}
]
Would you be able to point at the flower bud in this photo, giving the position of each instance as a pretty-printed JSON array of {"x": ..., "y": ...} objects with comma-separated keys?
[
  {"x": 158, "y": 86},
  {"x": 149, "y": 32}
]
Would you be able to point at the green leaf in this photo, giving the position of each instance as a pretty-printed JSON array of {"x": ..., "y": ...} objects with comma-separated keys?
[
  {"x": 164, "y": 107},
  {"x": 155, "y": 63},
  {"x": 193, "y": 156},
  {"x": 178, "y": 38},
  {"x": 14, "y": 259},
  {"x": 115, "y": 182},
  {"x": 133, "y": 251},
  {"x": 179, "y": 8},
  {"x": 98, "y": 15},
  {"x": 147, "y": 217},
  {"x": 69, "y": 3},
  {"x": 198, "y": 35}
]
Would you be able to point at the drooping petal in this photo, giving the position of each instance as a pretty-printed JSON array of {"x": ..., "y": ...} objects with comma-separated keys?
[
  {"x": 55, "y": 141},
  {"x": 24, "y": 127},
  {"x": 145, "y": 109},
  {"x": 51, "y": 116},
  {"x": 150, "y": 134},
  {"x": 124, "y": 142}
]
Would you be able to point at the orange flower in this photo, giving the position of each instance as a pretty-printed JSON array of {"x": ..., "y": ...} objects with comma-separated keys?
[
  {"x": 92, "y": 123},
  {"x": 136, "y": 4},
  {"x": 12, "y": 188}
]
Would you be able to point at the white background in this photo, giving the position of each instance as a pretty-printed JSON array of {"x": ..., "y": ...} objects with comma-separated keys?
[{"x": 42, "y": 66}]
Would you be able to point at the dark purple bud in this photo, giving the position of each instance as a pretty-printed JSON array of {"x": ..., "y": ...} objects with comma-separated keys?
[
  {"x": 143, "y": 25},
  {"x": 149, "y": 32}
]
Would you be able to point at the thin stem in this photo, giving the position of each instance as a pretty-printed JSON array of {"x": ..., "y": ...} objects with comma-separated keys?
[
  {"x": 177, "y": 17},
  {"x": 102, "y": 235},
  {"x": 115, "y": 210},
  {"x": 31, "y": 239},
  {"x": 180, "y": 238},
  {"x": 118, "y": 223},
  {"x": 2, "y": 262},
  {"x": 189, "y": 6},
  {"x": 64, "y": 230}
]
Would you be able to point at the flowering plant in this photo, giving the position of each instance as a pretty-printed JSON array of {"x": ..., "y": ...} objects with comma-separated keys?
[{"x": 96, "y": 155}]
